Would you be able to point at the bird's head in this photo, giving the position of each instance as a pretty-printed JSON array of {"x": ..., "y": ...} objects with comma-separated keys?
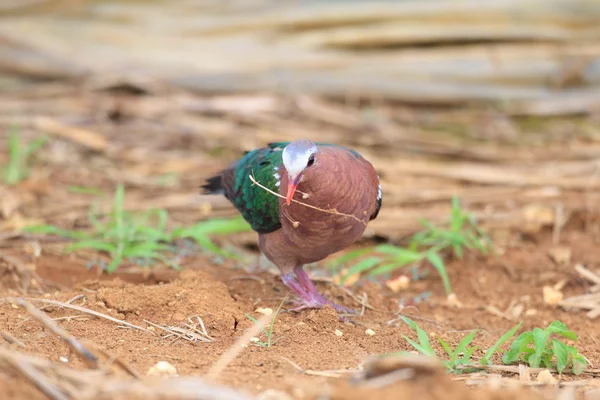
[{"x": 297, "y": 156}]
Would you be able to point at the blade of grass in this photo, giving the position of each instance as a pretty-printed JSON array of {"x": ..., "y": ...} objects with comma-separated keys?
[
  {"x": 351, "y": 255},
  {"x": 462, "y": 345},
  {"x": 421, "y": 335},
  {"x": 437, "y": 262},
  {"x": 361, "y": 266},
  {"x": 506, "y": 337}
]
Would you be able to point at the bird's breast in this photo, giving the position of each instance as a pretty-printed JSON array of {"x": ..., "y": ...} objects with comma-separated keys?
[{"x": 333, "y": 203}]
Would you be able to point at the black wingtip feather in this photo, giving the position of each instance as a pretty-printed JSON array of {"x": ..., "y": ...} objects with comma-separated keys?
[{"x": 213, "y": 185}]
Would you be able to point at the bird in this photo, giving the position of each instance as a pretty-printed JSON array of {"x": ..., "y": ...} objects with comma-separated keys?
[{"x": 306, "y": 201}]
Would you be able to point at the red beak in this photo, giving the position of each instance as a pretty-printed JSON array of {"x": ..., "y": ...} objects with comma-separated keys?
[{"x": 292, "y": 184}]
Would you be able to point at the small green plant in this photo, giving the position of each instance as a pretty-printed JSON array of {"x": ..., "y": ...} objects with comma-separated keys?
[
  {"x": 459, "y": 358},
  {"x": 268, "y": 332},
  {"x": 427, "y": 245},
  {"x": 84, "y": 190},
  {"x": 537, "y": 349},
  {"x": 141, "y": 236},
  {"x": 19, "y": 155}
]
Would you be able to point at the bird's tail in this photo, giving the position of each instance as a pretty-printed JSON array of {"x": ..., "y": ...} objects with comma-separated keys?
[{"x": 213, "y": 185}]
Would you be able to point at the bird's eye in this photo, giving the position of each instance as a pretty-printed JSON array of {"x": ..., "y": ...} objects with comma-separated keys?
[{"x": 311, "y": 160}]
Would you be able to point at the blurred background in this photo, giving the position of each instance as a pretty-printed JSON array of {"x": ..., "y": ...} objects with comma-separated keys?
[{"x": 497, "y": 102}]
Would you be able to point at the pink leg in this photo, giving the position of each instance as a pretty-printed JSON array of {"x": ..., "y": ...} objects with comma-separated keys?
[
  {"x": 289, "y": 281},
  {"x": 306, "y": 299},
  {"x": 317, "y": 297},
  {"x": 308, "y": 285}
]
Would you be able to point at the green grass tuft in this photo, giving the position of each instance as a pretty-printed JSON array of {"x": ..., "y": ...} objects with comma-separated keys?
[
  {"x": 142, "y": 236},
  {"x": 19, "y": 158},
  {"x": 428, "y": 245},
  {"x": 458, "y": 359},
  {"x": 537, "y": 349},
  {"x": 268, "y": 332}
]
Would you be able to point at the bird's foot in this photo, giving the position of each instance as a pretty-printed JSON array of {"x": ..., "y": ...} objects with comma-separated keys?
[
  {"x": 312, "y": 291},
  {"x": 342, "y": 309},
  {"x": 320, "y": 303},
  {"x": 309, "y": 296},
  {"x": 303, "y": 305}
]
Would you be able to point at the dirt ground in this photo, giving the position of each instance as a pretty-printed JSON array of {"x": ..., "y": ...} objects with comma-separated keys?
[{"x": 222, "y": 295}]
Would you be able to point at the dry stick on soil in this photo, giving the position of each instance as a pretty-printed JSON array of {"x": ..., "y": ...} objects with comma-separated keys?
[
  {"x": 119, "y": 362},
  {"x": 587, "y": 274},
  {"x": 364, "y": 303},
  {"x": 237, "y": 347},
  {"x": 70, "y": 317},
  {"x": 334, "y": 373},
  {"x": 515, "y": 369},
  {"x": 12, "y": 340},
  {"x": 296, "y": 223},
  {"x": 498, "y": 313},
  {"x": 559, "y": 222},
  {"x": 88, "y": 311},
  {"x": 84, "y": 137},
  {"x": 391, "y": 378},
  {"x": 86, "y": 355},
  {"x": 36, "y": 377},
  {"x": 189, "y": 332},
  {"x": 79, "y": 296},
  {"x": 499, "y": 380},
  {"x": 589, "y": 301},
  {"x": 20, "y": 269},
  {"x": 46, "y": 365},
  {"x": 61, "y": 382}
]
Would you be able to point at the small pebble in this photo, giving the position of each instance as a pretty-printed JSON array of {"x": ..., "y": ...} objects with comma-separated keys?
[
  {"x": 398, "y": 284},
  {"x": 545, "y": 377},
  {"x": 264, "y": 311},
  {"x": 254, "y": 339},
  {"x": 370, "y": 332},
  {"x": 453, "y": 301},
  {"x": 64, "y": 359},
  {"x": 162, "y": 368},
  {"x": 560, "y": 255},
  {"x": 552, "y": 296},
  {"x": 517, "y": 311},
  {"x": 339, "y": 333}
]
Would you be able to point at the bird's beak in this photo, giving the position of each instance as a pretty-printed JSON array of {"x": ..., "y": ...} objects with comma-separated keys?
[{"x": 293, "y": 182}]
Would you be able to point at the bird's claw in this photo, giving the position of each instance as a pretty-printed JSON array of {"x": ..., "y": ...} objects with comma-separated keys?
[
  {"x": 309, "y": 297},
  {"x": 301, "y": 305},
  {"x": 343, "y": 310},
  {"x": 316, "y": 304}
]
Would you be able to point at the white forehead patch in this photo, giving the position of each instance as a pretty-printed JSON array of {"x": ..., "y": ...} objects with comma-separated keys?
[{"x": 296, "y": 155}]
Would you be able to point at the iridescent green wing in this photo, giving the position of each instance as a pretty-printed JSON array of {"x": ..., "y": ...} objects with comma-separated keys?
[{"x": 259, "y": 207}]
